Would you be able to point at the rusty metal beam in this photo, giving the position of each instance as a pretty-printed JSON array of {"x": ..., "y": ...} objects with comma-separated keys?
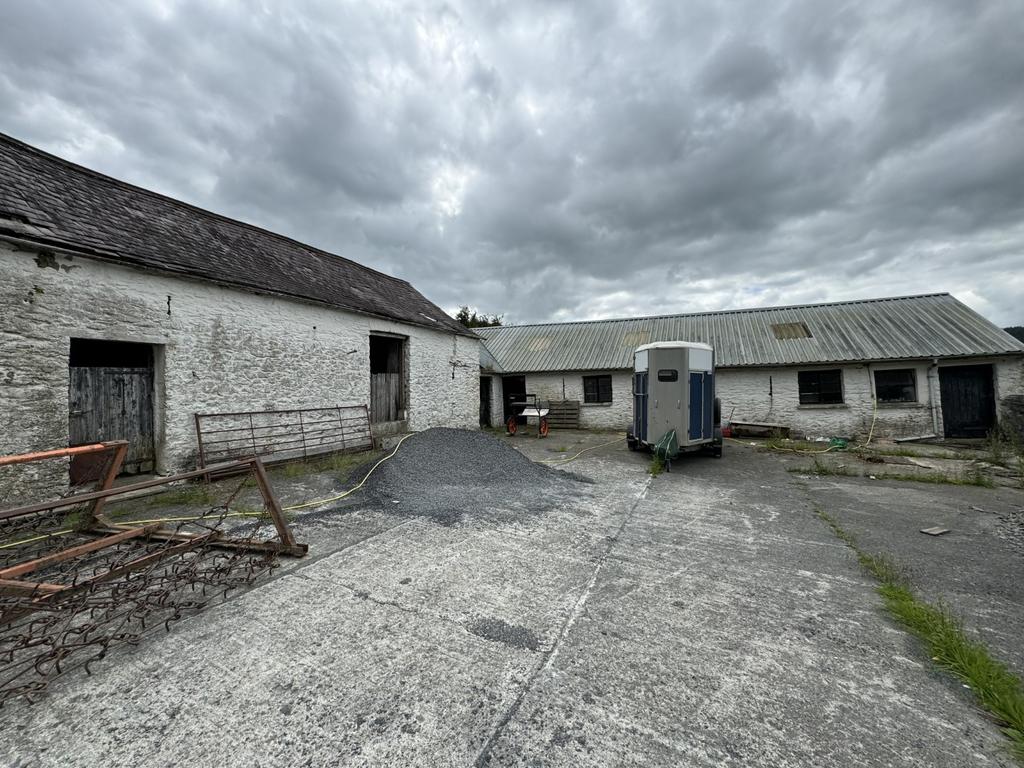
[
  {"x": 25, "y": 458},
  {"x": 70, "y": 501},
  {"x": 72, "y": 552},
  {"x": 113, "y": 470},
  {"x": 21, "y": 587},
  {"x": 295, "y": 550}
]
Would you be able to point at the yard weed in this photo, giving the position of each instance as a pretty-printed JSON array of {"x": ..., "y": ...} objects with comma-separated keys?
[
  {"x": 657, "y": 466},
  {"x": 994, "y": 686}
]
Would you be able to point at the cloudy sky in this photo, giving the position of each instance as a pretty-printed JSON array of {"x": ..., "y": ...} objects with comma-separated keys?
[{"x": 556, "y": 160}]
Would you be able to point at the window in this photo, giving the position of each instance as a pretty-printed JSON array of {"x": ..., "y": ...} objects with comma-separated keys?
[
  {"x": 791, "y": 331},
  {"x": 820, "y": 387},
  {"x": 668, "y": 374},
  {"x": 597, "y": 389},
  {"x": 898, "y": 386}
]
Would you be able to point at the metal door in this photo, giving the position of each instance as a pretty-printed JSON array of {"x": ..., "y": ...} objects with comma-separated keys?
[
  {"x": 640, "y": 405},
  {"x": 968, "y": 400},
  {"x": 111, "y": 404},
  {"x": 668, "y": 385}
]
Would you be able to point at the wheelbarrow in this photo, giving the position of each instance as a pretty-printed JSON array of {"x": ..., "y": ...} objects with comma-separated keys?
[{"x": 529, "y": 406}]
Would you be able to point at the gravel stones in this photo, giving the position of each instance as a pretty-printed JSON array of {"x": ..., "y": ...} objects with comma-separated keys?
[{"x": 446, "y": 474}]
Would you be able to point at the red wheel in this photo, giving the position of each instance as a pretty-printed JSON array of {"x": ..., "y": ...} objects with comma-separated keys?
[
  {"x": 511, "y": 425},
  {"x": 542, "y": 430}
]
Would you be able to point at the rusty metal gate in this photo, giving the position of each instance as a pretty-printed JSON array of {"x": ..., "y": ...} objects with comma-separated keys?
[
  {"x": 282, "y": 435},
  {"x": 111, "y": 404}
]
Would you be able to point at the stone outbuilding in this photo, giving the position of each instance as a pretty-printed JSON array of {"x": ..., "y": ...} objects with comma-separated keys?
[
  {"x": 913, "y": 366},
  {"x": 123, "y": 302}
]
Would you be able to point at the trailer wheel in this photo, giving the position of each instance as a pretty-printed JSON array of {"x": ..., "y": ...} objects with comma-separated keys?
[
  {"x": 511, "y": 425},
  {"x": 718, "y": 412},
  {"x": 542, "y": 428},
  {"x": 631, "y": 443}
]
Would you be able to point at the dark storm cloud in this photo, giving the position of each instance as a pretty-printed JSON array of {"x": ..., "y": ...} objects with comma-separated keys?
[{"x": 557, "y": 160}]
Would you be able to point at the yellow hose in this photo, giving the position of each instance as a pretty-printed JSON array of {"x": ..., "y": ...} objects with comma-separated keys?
[
  {"x": 571, "y": 458},
  {"x": 263, "y": 513},
  {"x": 340, "y": 496}
]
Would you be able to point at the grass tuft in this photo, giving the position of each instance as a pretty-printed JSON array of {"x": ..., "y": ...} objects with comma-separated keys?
[
  {"x": 994, "y": 686},
  {"x": 657, "y": 466},
  {"x": 192, "y": 495}
]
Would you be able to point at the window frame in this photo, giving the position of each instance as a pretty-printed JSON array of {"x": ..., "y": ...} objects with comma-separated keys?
[
  {"x": 596, "y": 389},
  {"x": 673, "y": 374},
  {"x": 915, "y": 397},
  {"x": 811, "y": 393}
]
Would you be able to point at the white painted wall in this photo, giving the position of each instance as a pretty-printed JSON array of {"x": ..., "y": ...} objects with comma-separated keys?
[
  {"x": 771, "y": 395},
  {"x": 569, "y": 386},
  {"x": 221, "y": 350}
]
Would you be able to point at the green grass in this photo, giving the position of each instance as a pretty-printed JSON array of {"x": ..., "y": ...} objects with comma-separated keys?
[
  {"x": 657, "y": 466},
  {"x": 974, "y": 476},
  {"x": 192, "y": 495},
  {"x": 821, "y": 468},
  {"x": 971, "y": 477},
  {"x": 995, "y": 688},
  {"x": 335, "y": 462}
]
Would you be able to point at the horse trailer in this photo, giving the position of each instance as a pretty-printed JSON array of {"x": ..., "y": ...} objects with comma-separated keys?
[{"x": 674, "y": 403}]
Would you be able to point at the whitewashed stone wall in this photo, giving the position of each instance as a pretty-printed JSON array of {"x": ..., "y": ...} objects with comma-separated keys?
[
  {"x": 219, "y": 349},
  {"x": 771, "y": 395},
  {"x": 569, "y": 386},
  {"x": 497, "y": 399}
]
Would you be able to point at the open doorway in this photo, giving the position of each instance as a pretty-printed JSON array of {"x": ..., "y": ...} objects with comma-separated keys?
[
  {"x": 485, "y": 401},
  {"x": 387, "y": 378},
  {"x": 110, "y": 397}
]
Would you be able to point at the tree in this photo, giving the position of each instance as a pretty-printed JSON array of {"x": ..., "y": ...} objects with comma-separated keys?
[
  {"x": 471, "y": 319},
  {"x": 1017, "y": 331}
]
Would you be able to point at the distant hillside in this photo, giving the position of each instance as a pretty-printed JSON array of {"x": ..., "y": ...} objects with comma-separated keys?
[{"x": 1017, "y": 331}]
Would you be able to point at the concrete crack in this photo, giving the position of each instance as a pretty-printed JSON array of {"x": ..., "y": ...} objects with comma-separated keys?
[{"x": 551, "y": 654}]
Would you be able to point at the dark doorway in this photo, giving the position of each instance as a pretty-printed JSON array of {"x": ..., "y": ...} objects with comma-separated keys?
[
  {"x": 514, "y": 389},
  {"x": 387, "y": 379},
  {"x": 485, "y": 401},
  {"x": 968, "y": 400},
  {"x": 110, "y": 397}
]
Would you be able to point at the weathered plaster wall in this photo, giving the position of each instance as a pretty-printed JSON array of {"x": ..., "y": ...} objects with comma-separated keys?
[
  {"x": 771, "y": 395},
  {"x": 219, "y": 349},
  {"x": 569, "y": 386},
  {"x": 497, "y": 399},
  {"x": 1010, "y": 396}
]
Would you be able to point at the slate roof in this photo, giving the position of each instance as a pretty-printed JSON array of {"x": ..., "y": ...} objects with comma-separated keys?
[
  {"x": 52, "y": 202},
  {"x": 908, "y": 327}
]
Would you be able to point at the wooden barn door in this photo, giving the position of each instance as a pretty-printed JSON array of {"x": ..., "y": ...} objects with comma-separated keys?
[
  {"x": 387, "y": 379},
  {"x": 111, "y": 402},
  {"x": 968, "y": 400}
]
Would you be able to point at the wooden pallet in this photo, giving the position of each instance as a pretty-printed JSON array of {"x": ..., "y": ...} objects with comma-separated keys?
[{"x": 565, "y": 414}]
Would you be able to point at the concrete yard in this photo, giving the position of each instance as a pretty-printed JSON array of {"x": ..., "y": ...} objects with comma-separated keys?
[{"x": 705, "y": 617}]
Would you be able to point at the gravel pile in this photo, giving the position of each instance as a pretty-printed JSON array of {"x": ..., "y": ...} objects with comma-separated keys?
[{"x": 446, "y": 474}]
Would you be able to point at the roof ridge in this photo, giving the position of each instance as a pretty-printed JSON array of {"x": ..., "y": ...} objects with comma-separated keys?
[
  {"x": 743, "y": 310},
  {"x": 81, "y": 169}
]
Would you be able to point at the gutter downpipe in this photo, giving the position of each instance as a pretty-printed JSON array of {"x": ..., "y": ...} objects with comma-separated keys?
[{"x": 933, "y": 375}]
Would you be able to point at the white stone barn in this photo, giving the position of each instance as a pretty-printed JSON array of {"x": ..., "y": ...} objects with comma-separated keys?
[
  {"x": 224, "y": 316},
  {"x": 933, "y": 365}
]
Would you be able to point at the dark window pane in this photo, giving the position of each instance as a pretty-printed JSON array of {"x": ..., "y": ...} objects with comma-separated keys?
[
  {"x": 898, "y": 386},
  {"x": 597, "y": 389},
  {"x": 820, "y": 387},
  {"x": 668, "y": 374}
]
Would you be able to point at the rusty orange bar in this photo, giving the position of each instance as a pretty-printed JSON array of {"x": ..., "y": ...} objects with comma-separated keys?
[{"x": 24, "y": 458}]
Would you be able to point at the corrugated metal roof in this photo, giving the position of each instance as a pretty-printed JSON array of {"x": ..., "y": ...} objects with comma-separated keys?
[{"x": 905, "y": 327}]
